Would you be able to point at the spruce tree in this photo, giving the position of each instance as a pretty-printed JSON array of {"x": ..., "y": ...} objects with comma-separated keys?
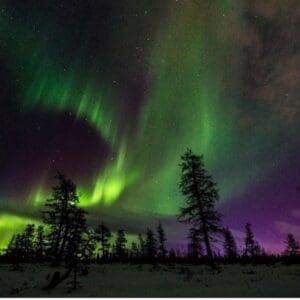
[
  {"x": 18, "y": 247},
  {"x": 194, "y": 245},
  {"x": 21, "y": 246},
  {"x": 142, "y": 249},
  {"x": 27, "y": 241},
  {"x": 11, "y": 249},
  {"x": 292, "y": 246},
  {"x": 103, "y": 235},
  {"x": 40, "y": 243},
  {"x": 60, "y": 210},
  {"x": 134, "y": 251},
  {"x": 201, "y": 196},
  {"x": 252, "y": 248},
  {"x": 88, "y": 245},
  {"x": 161, "y": 242},
  {"x": 150, "y": 245},
  {"x": 75, "y": 242},
  {"x": 120, "y": 246},
  {"x": 230, "y": 248}
]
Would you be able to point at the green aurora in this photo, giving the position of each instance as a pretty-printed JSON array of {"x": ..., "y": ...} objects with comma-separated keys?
[{"x": 185, "y": 106}]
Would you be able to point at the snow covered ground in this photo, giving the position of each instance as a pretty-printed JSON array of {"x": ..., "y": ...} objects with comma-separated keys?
[{"x": 164, "y": 281}]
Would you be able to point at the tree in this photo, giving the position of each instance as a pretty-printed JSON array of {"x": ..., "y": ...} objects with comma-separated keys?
[
  {"x": 230, "y": 248},
  {"x": 201, "y": 195},
  {"x": 75, "y": 242},
  {"x": 150, "y": 245},
  {"x": 134, "y": 251},
  {"x": 88, "y": 245},
  {"x": 292, "y": 246},
  {"x": 252, "y": 248},
  {"x": 27, "y": 241},
  {"x": 120, "y": 247},
  {"x": 103, "y": 235},
  {"x": 21, "y": 245},
  {"x": 40, "y": 243},
  {"x": 11, "y": 250},
  {"x": 194, "y": 245},
  {"x": 161, "y": 242},
  {"x": 141, "y": 246},
  {"x": 60, "y": 210}
]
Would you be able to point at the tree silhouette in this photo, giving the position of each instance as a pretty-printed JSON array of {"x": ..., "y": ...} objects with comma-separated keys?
[
  {"x": 103, "y": 235},
  {"x": 75, "y": 242},
  {"x": 40, "y": 243},
  {"x": 21, "y": 245},
  {"x": 12, "y": 249},
  {"x": 201, "y": 195},
  {"x": 161, "y": 242},
  {"x": 252, "y": 248},
  {"x": 150, "y": 245},
  {"x": 292, "y": 246},
  {"x": 230, "y": 248},
  {"x": 88, "y": 245},
  {"x": 120, "y": 246},
  {"x": 134, "y": 251},
  {"x": 142, "y": 250},
  {"x": 77, "y": 229},
  {"x": 27, "y": 241},
  {"x": 194, "y": 245},
  {"x": 60, "y": 210}
]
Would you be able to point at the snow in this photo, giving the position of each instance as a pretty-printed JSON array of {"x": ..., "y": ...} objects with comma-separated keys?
[{"x": 120, "y": 280}]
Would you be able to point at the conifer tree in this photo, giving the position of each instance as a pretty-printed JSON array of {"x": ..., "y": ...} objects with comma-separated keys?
[
  {"x": 88, "y": 245},
  {"x": 292, "y": 246},
  {"x": 194, "y": 245},
  {"x": 21, "y": 245},
  {"x": 201, "y": 196},
  {"x": 134, "y": 251},
  {"x": 40, "y": 243},
  {"x": 150, "y": 245},
  {"x": 103, "y": 235},
  {"x": 11, "y": 249},
  {"x": 75, "y": 242},
  {"x": 230, "y": 248},
  {"x": 141, "y": 246},
  {"x": 120, "y": 246},
  {"x": 252, "y": 248},
  {"x": 59, "y": 213},
  {"x": 18, "y": 247},
  {"x": 113, "y": 253},
  {"x": 78, "y": 228},
  {"x": 27, "y": 241},
  {"x": 161, "y": 242}
]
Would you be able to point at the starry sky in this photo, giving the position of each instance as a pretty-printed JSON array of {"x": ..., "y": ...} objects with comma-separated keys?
[{"x": 111, "y": 93}]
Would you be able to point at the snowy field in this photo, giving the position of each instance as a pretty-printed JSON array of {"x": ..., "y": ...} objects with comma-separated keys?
[{"x": 164, "y": 281}]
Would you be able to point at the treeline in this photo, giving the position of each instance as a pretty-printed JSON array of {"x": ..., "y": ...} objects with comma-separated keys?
[
  {"x": 33, "y": 245},
  {"x": 65, "y": 237},
  {"x": 206, "y": 229},
  {"x": 93, "y": 245}
]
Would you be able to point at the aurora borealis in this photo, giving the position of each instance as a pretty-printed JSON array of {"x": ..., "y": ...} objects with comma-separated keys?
[{"x": 112, "y": 92}]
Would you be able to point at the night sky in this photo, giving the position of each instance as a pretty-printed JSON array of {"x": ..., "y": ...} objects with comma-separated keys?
[{"x": 111, "y": 93}]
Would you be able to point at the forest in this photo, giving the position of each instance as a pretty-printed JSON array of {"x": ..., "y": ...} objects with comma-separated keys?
[{"x": 65, "y": 238}]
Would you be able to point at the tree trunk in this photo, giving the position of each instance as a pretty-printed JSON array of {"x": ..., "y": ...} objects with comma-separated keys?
[
  {"x": 204, "y": 227},
  {"x": 207, "y": 244}
]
